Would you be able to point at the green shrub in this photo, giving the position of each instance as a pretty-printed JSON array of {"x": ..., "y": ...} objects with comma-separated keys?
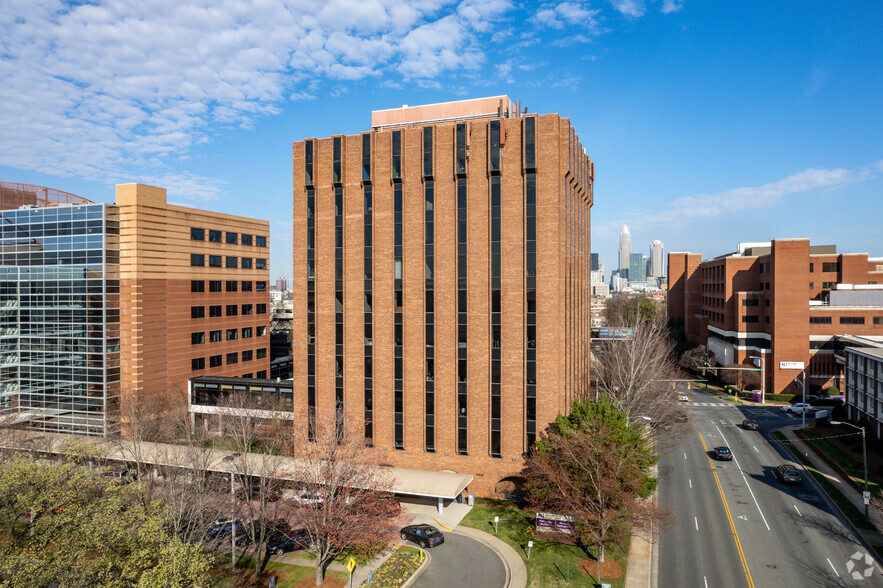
[
  {"x": 782, "y": 397},
  {"x": 833, "y": 391}
]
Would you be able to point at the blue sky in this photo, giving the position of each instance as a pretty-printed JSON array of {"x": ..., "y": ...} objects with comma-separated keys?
[{"x": 709, "y": 123}]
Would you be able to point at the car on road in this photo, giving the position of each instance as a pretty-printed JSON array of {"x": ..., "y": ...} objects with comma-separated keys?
[
  {"x": 797, "y": 408},
  {"x": 749, "y": 424},
  {"x": 723, "y": 453},
  {"x": 683, "y": 398},
  {"x": 283, "y": 539},
  {"x": 423, "y": 535},
  {"x": 683, "y": 417},
  {"x": 788, "y": 474},
  {"x": 307, "y": 498}
]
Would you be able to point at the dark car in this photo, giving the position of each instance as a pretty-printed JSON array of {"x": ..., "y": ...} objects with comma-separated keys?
[
  {"x": 749, "y": 424},
  {"x": 423, "y": 535},
  {"x": 723, "y": 453},
  {"x": 222, "y": 528},
  {"x": 788, "y": 474},
  {"x": 282, "y": 540}
]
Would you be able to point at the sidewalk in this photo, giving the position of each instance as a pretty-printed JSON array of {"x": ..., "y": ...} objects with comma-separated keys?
[{"x": 854, "y": 496}]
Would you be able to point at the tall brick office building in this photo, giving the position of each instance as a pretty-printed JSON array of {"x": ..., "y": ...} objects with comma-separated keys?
[
  {"x": 441, "y": 282},
  {"x": 784, "y": 300}
]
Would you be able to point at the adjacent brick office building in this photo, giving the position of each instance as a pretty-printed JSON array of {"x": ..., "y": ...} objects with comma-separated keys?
[
  {"x": 786, "y": 300},
  {"x": 441, "y": 282},
  {"x": 98, "y": 301},
  {"x": 194, "y": 289}
]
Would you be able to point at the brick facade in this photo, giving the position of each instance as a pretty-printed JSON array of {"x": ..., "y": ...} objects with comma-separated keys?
[{"x": 563, "y": 199}]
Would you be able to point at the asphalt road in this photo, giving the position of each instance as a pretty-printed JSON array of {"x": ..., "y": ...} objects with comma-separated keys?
[
  {"x": 462, "y": 561},
  {"x": 737, "y": 525}
]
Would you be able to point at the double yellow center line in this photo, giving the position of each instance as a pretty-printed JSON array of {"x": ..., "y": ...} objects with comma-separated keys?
[{"x": 729, "y": 516}]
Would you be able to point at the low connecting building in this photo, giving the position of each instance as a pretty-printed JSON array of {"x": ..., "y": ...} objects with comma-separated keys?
[{"x": 785, "y": 306}]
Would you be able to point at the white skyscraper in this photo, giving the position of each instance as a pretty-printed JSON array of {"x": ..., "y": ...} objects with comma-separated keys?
[
  {"x": 625, "y": 249},
  {"x": 657, "y": 259}
]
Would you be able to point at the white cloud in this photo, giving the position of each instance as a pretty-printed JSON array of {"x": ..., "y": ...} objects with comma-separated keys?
[
  {"x": 113, "y": 89},
  {"x": 742, "y": 199},
  {"x": 670, "y": 6},
  {"x": 631, "y": 8},
  {"x": 566, "y": 14}
]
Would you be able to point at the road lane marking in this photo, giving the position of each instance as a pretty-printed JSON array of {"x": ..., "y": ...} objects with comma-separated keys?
[
  {"x": 755, "y": 449},
  {"x": 704, "y": 579},
  {"x": 696, "y": 522},
  {"x": 833, "y": 568},
  {"x": 741, "y": 471},
  {"x": 723, "y": 422},
  {"x": 685, "y": 455},
  {"x": 691, "y": 482},
  {"x": 729, "y": 516},
  {"x": 798, "y": 510}
]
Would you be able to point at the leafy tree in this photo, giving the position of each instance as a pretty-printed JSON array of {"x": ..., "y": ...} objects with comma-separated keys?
[
  {"x": 69, "y": 525},
  {"x": 593, "y": 466}
]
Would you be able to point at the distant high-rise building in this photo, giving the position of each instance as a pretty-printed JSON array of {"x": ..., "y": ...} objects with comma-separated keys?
[
  {"x": 657, "y": 259},
  {"x": 636, "y": 267},
  {"x": 601, "y": 269},
  {"x": 595, "y": 262},
  {"x": 281, "y": 284},
  {"x": 625, "y": 249}
]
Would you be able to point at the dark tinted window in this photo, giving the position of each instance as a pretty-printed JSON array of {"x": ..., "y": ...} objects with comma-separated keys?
[
  {"x": 197, "y": 234},
  {"x": 232, "y": 238}
]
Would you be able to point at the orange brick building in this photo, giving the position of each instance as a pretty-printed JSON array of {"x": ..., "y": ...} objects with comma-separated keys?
[
  {"x": 194, "y": 293},
  {"x": 785, "y": 300},
  {"x": 441, "y": 282}
]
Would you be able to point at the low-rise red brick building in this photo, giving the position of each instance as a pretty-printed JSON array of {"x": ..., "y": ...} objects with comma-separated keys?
[{"x": 784, "y": 301}]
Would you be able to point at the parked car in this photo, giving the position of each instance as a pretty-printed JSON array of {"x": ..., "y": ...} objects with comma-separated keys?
[
  {"x": 723, "y": 453},
  {"x": 221, "y": 528},
  {"x": 423, "y": 535},
  {"x": 788, "y": 474},
  {"x": 797, "y": 408},
  {"x": 283, "y": 539},
  {"x": 307, "y": 498},
  {"x": 122, "y": 476},
  {"x": 749, "y": 424}
]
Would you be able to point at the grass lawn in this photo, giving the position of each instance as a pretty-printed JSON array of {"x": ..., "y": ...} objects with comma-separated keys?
[
  {"x": 854, "y": 467},
  {"x": 549, "y": 563},
  {"x": 852, "y": 513},
  {"x": 287, "y": 575}
]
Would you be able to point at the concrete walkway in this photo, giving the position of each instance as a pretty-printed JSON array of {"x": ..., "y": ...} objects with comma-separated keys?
[{"x": 873, "y": 537}]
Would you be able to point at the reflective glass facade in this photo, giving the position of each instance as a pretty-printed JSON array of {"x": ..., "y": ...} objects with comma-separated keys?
[{"x": 60, "y": 318}]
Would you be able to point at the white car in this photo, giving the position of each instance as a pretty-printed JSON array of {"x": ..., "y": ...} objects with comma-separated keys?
[
  {"x": 683, "y": 398},
  {"x": 305, "y": 498},
  {"x": 797, "y": 408}
]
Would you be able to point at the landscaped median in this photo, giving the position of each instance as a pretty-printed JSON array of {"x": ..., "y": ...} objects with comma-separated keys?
[
  {"x": 396, "y": 570},
  {"x": 550, "y": 564}
]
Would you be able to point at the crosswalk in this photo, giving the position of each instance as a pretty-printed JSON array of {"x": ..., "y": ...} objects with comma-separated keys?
[{"x": 711, "y": 404}]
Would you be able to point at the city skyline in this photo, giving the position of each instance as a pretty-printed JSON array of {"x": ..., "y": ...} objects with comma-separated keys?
[{"x": 710, "y": 123}]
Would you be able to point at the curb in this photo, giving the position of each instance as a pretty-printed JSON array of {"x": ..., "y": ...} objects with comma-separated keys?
[
  {"x": 831, "y": 502},
  {"x": 419, "y": 570}
]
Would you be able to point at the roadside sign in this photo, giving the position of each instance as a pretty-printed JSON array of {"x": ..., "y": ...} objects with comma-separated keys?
[
  {"x": 867, "y": 496},
  {"x": 791, "y": 365},
  {"x": 351, "y": 565}
]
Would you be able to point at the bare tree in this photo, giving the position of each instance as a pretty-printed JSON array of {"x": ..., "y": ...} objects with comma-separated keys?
[
  {"x": 740, "y": 376},
  {"x": 694, "y": 359},
  {"x": 262, "y": 443},
  {"x": 345, "y": 496},
  {"x": 638, "y": 372}
]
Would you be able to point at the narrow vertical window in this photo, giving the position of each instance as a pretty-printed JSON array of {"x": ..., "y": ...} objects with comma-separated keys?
[
  {"x": 335, "y": 156},
  {"x": 368, "y": 216},
  {"x": 530, "y": 142},
  {"x": 398, "y": 319},
  {"x": 366, "y": 157},
  {"x": 427, "y": 152},
  {"x": 308, "y": 164},
  {"x": 311, "y": 292},
  {"x": 338, "y": 300},
  {"x": 460, "y": 149},
  {"x": 494, "y": 146},
  {"x": 530, "y": 317},
  {"x": 496, "y": 351},
  {"x": 462, "y": 310},
  {"x": 397, "y": 155}
]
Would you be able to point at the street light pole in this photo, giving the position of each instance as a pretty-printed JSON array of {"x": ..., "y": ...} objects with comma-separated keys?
[{"x": 864, "y": 457}]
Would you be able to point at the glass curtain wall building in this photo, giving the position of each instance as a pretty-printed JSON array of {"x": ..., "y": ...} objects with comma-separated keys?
[{"x": 60, "y": 317}]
